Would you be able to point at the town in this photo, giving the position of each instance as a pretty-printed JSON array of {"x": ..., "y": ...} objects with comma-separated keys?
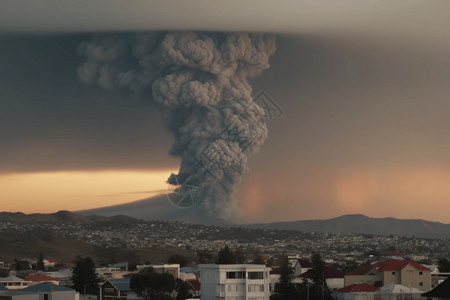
[{"x": 237, "y": 262}]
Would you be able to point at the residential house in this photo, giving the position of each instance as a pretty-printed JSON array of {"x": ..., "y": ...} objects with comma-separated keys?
[
  {"x": 14, "y": 283},
  {"x": 195, "y": 286},
  {"x": 360, "y": 291},
  {"x": 395, "y": 291},
  {"x": 38, "y": 278},
  {"x": 404, "y": 272},
  {"x": 117, "y": 289},
  {"x": 121, "y": 266},
  {"x": 234, "y": 282},
  {"x": 18, "y": 295},
  {"x": 50, "y": 291},
  {"x": 302, "y": 266}
]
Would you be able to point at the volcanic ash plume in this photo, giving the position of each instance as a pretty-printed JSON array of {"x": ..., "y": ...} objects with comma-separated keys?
[{"x": 199, "y": 80}]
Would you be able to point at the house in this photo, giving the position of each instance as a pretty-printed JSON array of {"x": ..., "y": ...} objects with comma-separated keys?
[
  {"x": 395, "y": 291},
  {"x": 14, "y": 283},
  {"x": 64, "y": 276},
  {"x": 110, "y": 272},
  {"x": 334, "y": 277},
  {"x": 172, "y": 269},
  {"x": 38, "y": 278},
  {"x": 50, "y": 291},
  {"x": 195, "y": 284},
  {"x": 404, "y": 272},
  {"x": 120, "y": 266},
  {"x": 49, "y": 263},
  {"x": 442, "y": 291},
  {"x": 18, "y": 295},
  {"x": 237, "y": 281},
  {"x": 302, "y": 266},
  {"x": 117, "y": 288},
  {"x": 360, "y": 291}
]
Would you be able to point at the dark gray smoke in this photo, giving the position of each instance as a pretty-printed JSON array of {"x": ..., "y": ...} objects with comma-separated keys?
[{"x": 199, "y": 79}]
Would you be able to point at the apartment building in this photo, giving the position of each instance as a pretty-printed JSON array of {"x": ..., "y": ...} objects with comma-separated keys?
[{"x": 234, "y": 282}]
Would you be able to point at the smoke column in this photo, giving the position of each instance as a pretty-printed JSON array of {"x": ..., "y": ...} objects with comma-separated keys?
[{"x": 199, "y": 81}]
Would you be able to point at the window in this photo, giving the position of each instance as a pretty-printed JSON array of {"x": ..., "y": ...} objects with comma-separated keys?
[
  {"x": 255, "y": 275},
  {"x": 45, "y": 296},
  {"x": 258, "y": 288},
  {"x": 421, "y": 283},
  {"x": 420, "y": 273},
  {"x": 109, "y": 290},
  {"x": 235, "y": 275},
  {"x": 393, "y": 273}
]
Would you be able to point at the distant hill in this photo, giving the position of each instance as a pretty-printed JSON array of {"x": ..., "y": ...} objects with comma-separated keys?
[
  {"x": 159, "y": 208},
  {"x": 28, "y": 244},
  {"x": 156, "y": 208},
  {"x": 362, "y": 224},
  {"x": 63, "y": 217}
]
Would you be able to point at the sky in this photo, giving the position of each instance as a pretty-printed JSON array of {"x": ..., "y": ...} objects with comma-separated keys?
[{"x": 364, "y": 87}]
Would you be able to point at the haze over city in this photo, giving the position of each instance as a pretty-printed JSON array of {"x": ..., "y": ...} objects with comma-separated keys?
[{"x": 363, "y": 88}]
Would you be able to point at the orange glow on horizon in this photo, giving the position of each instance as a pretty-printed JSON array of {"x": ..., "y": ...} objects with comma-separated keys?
[{"x": 48, "y": 192}]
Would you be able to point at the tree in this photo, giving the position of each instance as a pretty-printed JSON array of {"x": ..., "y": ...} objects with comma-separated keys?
[
  {"x": 205, "y": 257},
  {"x": 178, "y": 259},
  {"x": 259, "y": 260},
  {"x": 151, "y": 285},
  {"x": 4, "y": 273},
  {"x": 21, "y": 265},
  {"x": 84, "y": 278},
  {"x": 225, "y": 256},
  {"x": 183, "y": 289},
  {"x": 284, "y": 288},
  {"x": 40, "y": 262},
  {"x": 319, "y": 289},
  {"x": 444, "y": 265},
  {"x": 239, "y": 256}
]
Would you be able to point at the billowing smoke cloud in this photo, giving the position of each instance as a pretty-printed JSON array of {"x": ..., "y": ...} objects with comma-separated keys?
[{"x": 199, "y": 79}]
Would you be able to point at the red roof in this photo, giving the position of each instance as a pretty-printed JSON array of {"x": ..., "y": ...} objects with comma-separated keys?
[
  {"x": 194, "y": 283},
  {"x": 41, "y": 277},
  {"x": 397, "y": 265},
  {"x": 360, "y": 287},
  {"x": 305, "y": 263},
  {"x": 330, "y": 272}
]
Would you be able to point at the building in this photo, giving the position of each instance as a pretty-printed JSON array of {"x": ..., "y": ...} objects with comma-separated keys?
[
  {"x": 50, "y": 291},
  {"x": 395, "y": 291},
  {"x": 360, "y": 291},
  {"x": 404, "y": 272},
  {"x": 195, "y": 286},
  {"x": 302, "y": 266},
  {"x": 18, "y": 295},
  {"x": 38, "y": 278},
  {"x": 234, "y": 282},
  {"x": 172, "y": 269},
  {"x": 14, "y": 283},
  {"x": 117, "y": 289}
]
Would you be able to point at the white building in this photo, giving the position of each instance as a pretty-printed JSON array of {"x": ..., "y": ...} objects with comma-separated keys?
[{"x": 234, "y": 282}]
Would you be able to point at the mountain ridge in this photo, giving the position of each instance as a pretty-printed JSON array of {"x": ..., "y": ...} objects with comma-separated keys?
[
  {"x": 139, "y": 211},
  {"x": 359, "y": 223}
]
